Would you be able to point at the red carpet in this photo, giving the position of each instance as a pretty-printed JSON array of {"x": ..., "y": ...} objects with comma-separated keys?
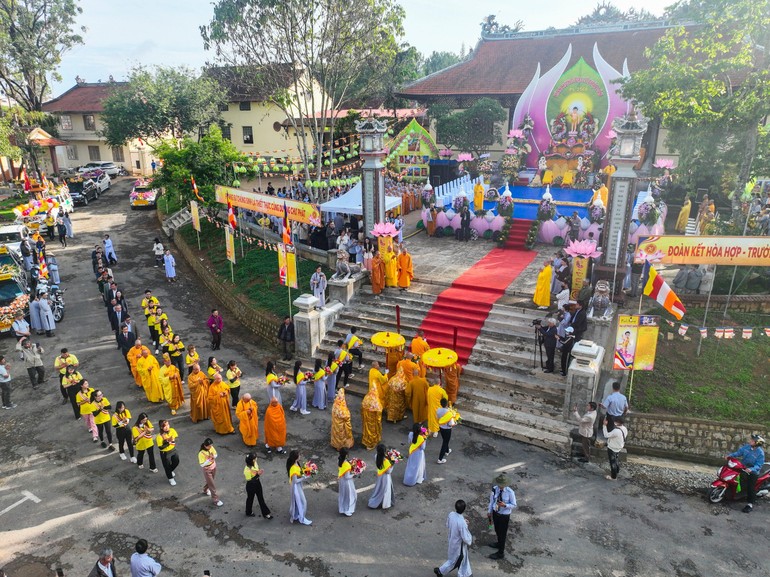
[
  {"x": 466, "y": 304},
  {"x": 518, "y": 233}
]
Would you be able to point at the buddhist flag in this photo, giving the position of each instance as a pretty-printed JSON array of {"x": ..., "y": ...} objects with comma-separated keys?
[
  {"x": 704, "y": 332},
  {"x": 719, "y": 333},
  {"x": 748, "y": 333},
  {"x": 683, "y": 329},
  {"x": 42, "y": 266},
  {"x": 729, "y": 333},
  {"x": 195, "y": 189},
  {"x": 286, "y": 226},
  {"x": 232, "y": 221},
  {"x": 658, "y": 289},
  {"x": 27, "y": 181}
]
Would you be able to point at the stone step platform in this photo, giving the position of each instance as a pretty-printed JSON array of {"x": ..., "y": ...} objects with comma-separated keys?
[{"x": 176, "y": 221}]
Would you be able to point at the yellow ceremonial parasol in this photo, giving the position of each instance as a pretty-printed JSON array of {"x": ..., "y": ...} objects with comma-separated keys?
[
  {"x": 439, "y": 358},
  {"x": 389, "y": 340}
]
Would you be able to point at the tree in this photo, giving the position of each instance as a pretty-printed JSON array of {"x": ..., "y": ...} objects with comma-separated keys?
[
  {"x": 440, "y": 60},
  {"x": 474, "y": 129},
  {"x": 208, "y": 160},
  {"x": 713, "y": 75},
  {"x": 159, "y": 102},
  {"x": 608, "y": 13},
  {"x": 322, "y": 47},
  {"x": 7, "y": 133},
  {"x": 33, "y": 36}
]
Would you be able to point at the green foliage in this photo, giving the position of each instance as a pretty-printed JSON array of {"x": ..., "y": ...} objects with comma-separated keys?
[
  {"x": 6, "y": 130},
  {"x": 440, "y": 60},
  {"x": 206, "y": 160},
  {"x": 474, "y": 129},
  {"x": 33, "y": 36},
  {"x": 160, "y": 102},
  {"x": 608, "y": 13}
]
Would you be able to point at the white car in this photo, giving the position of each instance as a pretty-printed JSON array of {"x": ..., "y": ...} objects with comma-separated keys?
[
  {"x": 109, "y": 167},
  {"x": 103, "y": 182}
]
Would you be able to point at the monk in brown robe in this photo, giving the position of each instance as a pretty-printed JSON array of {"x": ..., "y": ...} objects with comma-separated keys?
[
  {"x": 198, "y": 383},
  {"x": 248, "y": 416},
  {"x": 219, "y": 406},
  {"x": 417, "y": 398},
  {"x": 392, "y": 358},
  {"x": 275, "y": 427},
  {"x": 452, "y": 382},
  {"x": 378, "y": 273}
]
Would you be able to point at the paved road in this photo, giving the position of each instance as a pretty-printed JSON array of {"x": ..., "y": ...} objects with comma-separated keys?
[{"x": 570, "y": 520}]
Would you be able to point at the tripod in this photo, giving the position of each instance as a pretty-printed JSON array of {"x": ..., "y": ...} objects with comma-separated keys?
[{"x": 538, "y": 345}]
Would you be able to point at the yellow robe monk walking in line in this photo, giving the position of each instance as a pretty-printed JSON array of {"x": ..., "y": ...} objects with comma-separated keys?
[
  {"x": 219, "y": 406},
  {"x": 478, "y": 197},
  {"x": 342, "y": 430},
  {"x": 371, "y": 417},
  {"x": 392, "y": 358},
  {"x": 396, "y": 405},
  {"x": 147, "y": 366},
  {"x": 171, "y": 384},
  {"x": 435, "y": 394},
  {"x": 684, "y": 216},
  {"x": 198, "y": 383},
  {"x": 133, "y": 355},
  {"x": 391, "y": 267},
  {"x": 417, "y": 398},
  {"x": 275, "y": 426},
  {"x": 376, "y": 378},
  {"x": 452, "y": 382},
  {"x": 410, "y": 368},
  {"x": 378, "y": 273},
  {"x": 542, "y": 298},
  {"x": 248, "y": 420},
  {"x": 405, "y": 270}
]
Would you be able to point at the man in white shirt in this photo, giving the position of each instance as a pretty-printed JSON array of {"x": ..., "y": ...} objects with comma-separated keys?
[
  {"x": 142, "y": 565},
  {"x": 21, "y": 326},
  {"x": 502, "y": 502},
  {"x": 616, "y": 440},
  {"x": 109, "y": 250},
  {"x": 104, "y": 566},
  {"x": 5, "y": 384}
]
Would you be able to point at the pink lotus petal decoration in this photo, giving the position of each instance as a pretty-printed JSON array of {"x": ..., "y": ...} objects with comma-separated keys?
[
  {"x": 612, "y": 134},
  {"x": 464, "y": 157},
  {"x": 654, "y": 257},
  {"x": 497, "y": 223},
  {"x": 384, "y": 229},
  {"x": 479, "y": 224},
  {"x": 516, "y": 133},
  {"x": 664, "y": 163},
  {"x": 584, "y": 248},
  {"x": 548, "y": 231},
  {"x": 443, "y": 218}
]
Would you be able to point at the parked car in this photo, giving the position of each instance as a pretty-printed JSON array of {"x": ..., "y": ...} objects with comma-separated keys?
[
  {"x": 11, "y": 236},
  {"x": 143, "y": 195},
  {"x": 109, "y": 167},
  {"x": 103, "y": 182},
  {"x": 83, "y": 191},
  {"x": 65, "y": 201}
]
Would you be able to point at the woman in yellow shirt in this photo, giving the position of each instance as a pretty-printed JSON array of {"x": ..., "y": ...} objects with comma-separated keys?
[
  {"x": 83, "y": 399},
  {"x": 191, "y": 358},
  {"x": 101, "y": 410},
  {"x": 233, "y": 376},
  {"x": 142, "y": 433},
  {"x": 166, "y": 441},
  {"x": 214, "y": 368},
  {"x": 70, "y": 383},
  {"x": 176, "y": 352},
  {"x": 164, "y": 340},
  {"x": 252, "y": 473},
  {"x": 121, "y": 419},
  {"x": 207, "y": 459}
]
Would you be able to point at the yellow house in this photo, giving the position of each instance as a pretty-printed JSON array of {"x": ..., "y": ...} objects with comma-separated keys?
[{"x": 79, "y": 112}]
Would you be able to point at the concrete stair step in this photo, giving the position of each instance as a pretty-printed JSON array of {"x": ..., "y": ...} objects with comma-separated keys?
[
  {"x": 525, "y": 418},
  {"x": 557, "y": 443},
  {"x": 516, "y": 400},
  {"x": 540, "y": 386}
]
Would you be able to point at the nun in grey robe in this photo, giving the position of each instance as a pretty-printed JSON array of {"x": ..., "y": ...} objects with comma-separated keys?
[
  {"x": 34, "y": 315},
  {"x": 46, "y": 315},
  {"x": 347, "y": 494},
  {"x": 331, "y": 385},
  {"x": 460, "y": 539},
  {"x": 382, "y": 496},
  {"x": 415, "y": 465},
  {"x": 298, "y": 506},
  {"x": 319, "y": 393}
]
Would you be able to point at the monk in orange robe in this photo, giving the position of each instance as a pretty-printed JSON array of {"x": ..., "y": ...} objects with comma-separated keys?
[
  {"x": 198, "y": 383},
  {"x": 405, "y": 270},
  {"x": 275, "y": 426},
  {"x": 392, "y": 358},
  {"x": 133, "y": 355},
  {"x": 419, "y": 347},
  {"x": 417, "y": 398},
  {"x": 411, "y": 369},
  {"x": 248, "y": 417},
  {"x": 452, "y": 382},
  {"x": 219, "y": 406},
  {"x": 378, "y": 273}
]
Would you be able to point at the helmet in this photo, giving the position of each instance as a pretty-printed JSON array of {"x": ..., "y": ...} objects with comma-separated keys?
[{"x": 759, "y": 440}]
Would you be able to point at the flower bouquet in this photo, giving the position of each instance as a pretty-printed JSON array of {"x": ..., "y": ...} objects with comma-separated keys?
[
  {"x": 459, "y": 202},
  {"x": 546, "y": 210},
  {"x": 357, "y": 466},
  {"x": 505, "y": 206},
  {"x": 428, "y": 198},
  {"x": 456, "y": 416},
  {"x": 309, "y": 375},
  {"x": 283, "y": 379},
  {"x": 424, "y": 432},
  {"x": 648, "y": 213},
  {"x": 394, "y": 456},
  {"x": 310, "y": 469},
  {"x": 596, "y": 214}
]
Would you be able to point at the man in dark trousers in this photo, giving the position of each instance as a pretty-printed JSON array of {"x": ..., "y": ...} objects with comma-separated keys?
[
  {"x": 502, "y": 502},
  {"x": 465, "y": 224},
  {"x": 579, "y": 321},
  {"x": 567, "y": 342},
  {"x": 286, "y": 335},
  {"x": 126, "y": 340},
  {"x": 549, "y": 342}
]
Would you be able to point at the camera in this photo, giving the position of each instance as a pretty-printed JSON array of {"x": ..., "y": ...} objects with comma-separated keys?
[{"x": 537, "y": 322}]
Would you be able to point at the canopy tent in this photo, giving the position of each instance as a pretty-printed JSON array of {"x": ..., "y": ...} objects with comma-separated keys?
[{"x": 350, "y": 202}]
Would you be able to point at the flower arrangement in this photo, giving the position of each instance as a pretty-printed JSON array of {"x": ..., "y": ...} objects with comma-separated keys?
[
  {"x": 9, "y": 270},
  {"x": 310, "y": 469},
  {"x": 546, "y": 210},
  {"x": 283, "y": 379},
  {"x": 308, "y": 375},
  {"x": 465, "y": 157},
  {"x": 459, "y": 202},
  {"x": 534, "y": 229},
  {"x": 456, "y": 416},
  {"x": 597, "y": 213},
  {"x": 428, "y": 198},
  {"x": 357, "y": 466},
  {"x": 648, "y": 213},
  {"x": 505, "y": 206},
  {"x": 485, "y": 166},
  {"x": 445, "y": 153},
  {"x": 491, "y": 194},
  {"x": 424, "y": 432},
  {"x": 394, "y": 456}
]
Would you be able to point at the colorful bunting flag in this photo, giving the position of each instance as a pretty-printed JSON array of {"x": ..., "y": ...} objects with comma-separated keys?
[
  {"x": 232, "y": 221},
  {"x": 748, "y": 332},
  {"x": 670, "y": 323},
  {"x": 719, "y": 333},
  {"x": 683, "y": 329},
  {"x": 704, "y": 332},
  {"x": 729, "y": 333},
  {"x": 767, "y": 331}
]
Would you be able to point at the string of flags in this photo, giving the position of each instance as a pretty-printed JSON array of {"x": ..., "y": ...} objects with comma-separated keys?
[
  {"x": 721, "y": 332},
  {"x": 351, "y": 140},
  {"x": 238, "y": 232}
]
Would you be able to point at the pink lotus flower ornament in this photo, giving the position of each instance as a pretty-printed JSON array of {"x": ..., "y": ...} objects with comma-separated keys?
[
  {"x": 384, "y": 229},
  {"x": 516, "y": 133},
  {"x": 584, "y": 248},
  {"x": 664, "y": 163},
  {"x": 465, "y": 157}
]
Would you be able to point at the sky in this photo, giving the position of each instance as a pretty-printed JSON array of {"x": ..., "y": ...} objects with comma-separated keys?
[{"x": 120, "y": 36}]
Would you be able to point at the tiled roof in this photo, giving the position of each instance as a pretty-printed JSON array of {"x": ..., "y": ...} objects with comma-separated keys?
[
  {"x": 506, "y": 66},
  {"x": 251, "y": 83},
  {"x": 84, "y": 97}
]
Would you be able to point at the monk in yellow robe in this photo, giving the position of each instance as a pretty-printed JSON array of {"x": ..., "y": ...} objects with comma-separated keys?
[
  {"x": 392, "y": 358},
  {"x": 684, "y": 216},
  {"x": 377, "y": 379},
  {"x": 405, "y": 270},
  {"x": 248, "y": 420},
  {"x": 391, "y": 267},
  {"x": 133, "y": 355},
  {"x": 435, "y": 394},
  {"x": 419, "y": 347},
  {"x": 378, "y": 273},
  {"x": 275, "y": 426},
  {"x": 171, "y": 384},
  {"x": 600, "y": 193},
  {"x": 478, "y": 197},
  {"x": 542, "y": 298},
  {"x": 219, "y": 406},
  {"x": 396, "y": 402},
  {"x": 410, "y": 368},
  {"x": 431, "y": 226},
  {"x": 371, "y": 417},
  {"x": 198, "y": 383},
  {"x": 147, "y": 366},
  {"x": 417, "y": 398},
  {"x": 452, "y": 382},
  {"x": 342, "y": 430}
]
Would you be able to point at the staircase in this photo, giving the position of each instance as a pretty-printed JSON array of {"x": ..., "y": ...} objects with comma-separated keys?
[
  {"x": 175, "y": 221},
  {"x": 500, "y": 391},
  {"x": 691, "y": 229},
  {"x": 517, "y": 236}
]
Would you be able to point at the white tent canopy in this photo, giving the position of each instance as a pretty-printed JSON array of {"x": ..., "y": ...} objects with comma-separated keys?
[{"x": 350, "y": 202}]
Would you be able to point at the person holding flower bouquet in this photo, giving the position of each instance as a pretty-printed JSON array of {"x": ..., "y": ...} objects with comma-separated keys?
[
  {"x": 300, "y": 400},
  {"x": 274, "y": 383},
  {"x": 83, "y": 399},
  {"x": 383, "y": 494},
  {"x": 142, "y": 433},
  {"x": 415, "y": 464},
  {"x": 347, "y": 488},
  {"x": 298, "y": 506},
  {"x": 319, "y": 385}
]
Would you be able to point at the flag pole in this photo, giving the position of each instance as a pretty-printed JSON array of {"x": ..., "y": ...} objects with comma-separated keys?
[
  {"x": 240, "y": 228},
  {"x": 288, "y": 286},
  {"x": 232, "y": 274},
  {"x": 706, "y": 312},
  {"x": 198, "y": 234}
]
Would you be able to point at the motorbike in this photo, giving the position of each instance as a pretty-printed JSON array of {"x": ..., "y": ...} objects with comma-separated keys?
[
  {"x": 55, "y": 295},
  {"x": 728, "y": 482}
]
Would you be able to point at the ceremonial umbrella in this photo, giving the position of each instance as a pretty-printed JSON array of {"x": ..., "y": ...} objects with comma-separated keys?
[
  {"x": 439, "y": 358},
  {"x": 388, "y": 341}
]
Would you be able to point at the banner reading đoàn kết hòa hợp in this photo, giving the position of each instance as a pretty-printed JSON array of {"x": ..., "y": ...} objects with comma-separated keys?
[{"x": 729, "y": 250}]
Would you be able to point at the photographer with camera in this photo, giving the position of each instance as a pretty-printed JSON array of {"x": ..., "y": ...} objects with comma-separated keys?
[
  {"x": 31, "y": 353},
  {"x": 549, "y": 339}
]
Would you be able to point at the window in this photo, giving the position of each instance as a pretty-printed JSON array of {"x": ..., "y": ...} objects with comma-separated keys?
[
  {"x": 248, "y": 136},
  {"x": 224, "y": 107},
  {"x": 117, "y": 154},
  {"x": 226, "y": 131},
  {"x": 245, "y": 105},
  {"x": 72, "y": 152},
  {"x": 93, "y": 153},
  {"x": 89, "y": 123},
  {"x": 65, "y": 122}
]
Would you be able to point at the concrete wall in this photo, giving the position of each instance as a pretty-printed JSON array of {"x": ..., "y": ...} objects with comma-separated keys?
[{"x": 741, "y": 303}]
